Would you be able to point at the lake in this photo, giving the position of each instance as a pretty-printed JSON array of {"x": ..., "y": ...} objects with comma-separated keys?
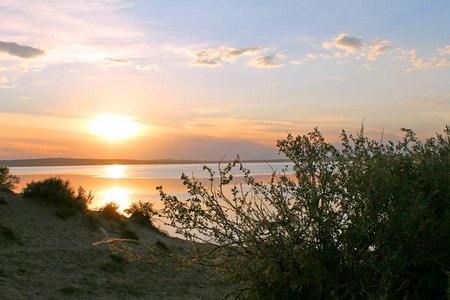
[{"x": 124, "y": 184}]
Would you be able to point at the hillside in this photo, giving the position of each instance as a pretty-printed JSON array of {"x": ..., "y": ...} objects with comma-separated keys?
[{"x": 44, "y": 257}]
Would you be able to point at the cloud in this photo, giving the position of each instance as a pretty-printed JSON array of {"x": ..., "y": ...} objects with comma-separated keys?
[
  {"x": 5, "y": 86},
  {"x": 206, "y": 62},
  {"x": 75, "y": 31},
  {"x": 429, "y": 93},
  {"x": 378, "y": 50},
  {"x": 353, "y": 44},
  {"x": 236, "y": 52},
  {"x": 428, "y": 102},
  {"x": 345, "y": 42},
  {"x": 148, "y": 67},
  {"x": 3, "y": 79},
  {"x": 266, "y": 61},
  {"x": 20, "y": 51},
  {"x": 368, "y": 67},
  {"x": 431, "y": 64},
  {"x": 214, "y": 57},
  {"x": 117, "y": 61},
  {"x": 444, "y": 51},
  {"x": 296, "y": 62}
]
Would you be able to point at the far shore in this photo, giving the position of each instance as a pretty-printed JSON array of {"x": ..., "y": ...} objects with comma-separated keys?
[{"x": 84, "y": 162}]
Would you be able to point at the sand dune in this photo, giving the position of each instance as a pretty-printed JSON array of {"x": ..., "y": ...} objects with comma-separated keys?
[{"x": 44, "y": 257}]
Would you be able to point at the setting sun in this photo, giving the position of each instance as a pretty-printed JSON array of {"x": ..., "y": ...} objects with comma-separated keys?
[{"x": 114, "y": 127}]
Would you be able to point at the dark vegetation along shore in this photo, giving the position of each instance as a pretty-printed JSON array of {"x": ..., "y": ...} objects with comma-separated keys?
[{"x": 365, "y": 221}]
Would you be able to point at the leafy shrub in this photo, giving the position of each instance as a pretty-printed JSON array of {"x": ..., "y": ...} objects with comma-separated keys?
[
  {"x": 7, "y": 180},
  {"x": 59, "y": 192},
  {"x": 111, "y": 212},
  {"x": 365, "y": 221},
  {"x": 142, "y": 213}
]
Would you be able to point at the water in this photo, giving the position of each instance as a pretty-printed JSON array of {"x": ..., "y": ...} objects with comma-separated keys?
[
  {"x": 129, "y": 183},
  {"x": 142, "y": 171}
]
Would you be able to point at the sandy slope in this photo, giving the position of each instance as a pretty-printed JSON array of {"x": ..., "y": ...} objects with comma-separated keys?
[{"x": 44, "y": 257}]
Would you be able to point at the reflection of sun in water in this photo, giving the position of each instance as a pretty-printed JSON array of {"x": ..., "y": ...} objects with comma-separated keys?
[
  {"x": 114, "y": 127},
  {"x": 115, "y": 171},
  {"x": 119, "y": 196}
]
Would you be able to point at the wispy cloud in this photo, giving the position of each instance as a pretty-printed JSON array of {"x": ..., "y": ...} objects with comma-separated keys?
[
  {"x": 20, "y": 50},
  {"x": 148, "y": 67},
  {"x": 431, "y": 63},
  {"x": 445, "y": 51},
  {"x": 6, "y": 86},
  {"x": 214, "y": 57},
  {"x": 72, "y": 31},
  {"x": 267, "y": 61},
  {"x": 428, "y": 102},
  {"x": 378, "y": 50},
  {"x": 117, "y": 61}
]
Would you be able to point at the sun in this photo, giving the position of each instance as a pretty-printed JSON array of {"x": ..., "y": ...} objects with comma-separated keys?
[{"x": 114, "y": 127}]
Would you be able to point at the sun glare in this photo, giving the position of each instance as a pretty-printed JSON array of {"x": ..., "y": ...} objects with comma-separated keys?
[
  {"x": 117, "y": 195},
  {"x": 115, "y": 171},
  {"x": 114, "y": 127}
]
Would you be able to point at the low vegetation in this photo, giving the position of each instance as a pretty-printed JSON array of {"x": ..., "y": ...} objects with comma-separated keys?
[
  {"x": 110, "y": 211},
  {"x": 365, "y": 220},
  {"x": 59, "y": 192},
  {"x": 142, "y": 213},
  {"x": 8, "y": 181}
]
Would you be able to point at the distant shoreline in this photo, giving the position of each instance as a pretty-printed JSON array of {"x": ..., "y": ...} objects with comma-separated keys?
[{"x": 39, "y": 162}]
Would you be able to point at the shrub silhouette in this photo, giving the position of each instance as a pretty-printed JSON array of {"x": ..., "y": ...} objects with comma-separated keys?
[
  {"x": 7, "y": 180},
  {"x": 142, "y": 213},
  {"x": 110, "y": 211},
  {"x": 365, "y": 221},
  {"x": 59, "y": 192}
]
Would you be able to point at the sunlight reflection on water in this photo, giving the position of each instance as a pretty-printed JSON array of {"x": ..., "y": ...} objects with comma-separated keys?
[
  {"x": 115, "y": 171},
  {"x": 117, "y": 195}
]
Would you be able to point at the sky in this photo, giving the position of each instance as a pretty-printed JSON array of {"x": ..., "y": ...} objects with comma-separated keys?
[{"x": 206, "y": 79}]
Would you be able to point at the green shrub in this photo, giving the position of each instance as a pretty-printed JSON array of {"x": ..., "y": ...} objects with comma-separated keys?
[
  {"x": 142, "y": 213},
  {"x": 362, "y": 221},
  {"x": 59, "y": 192},
  {"x": 111, "y": 212},
  {"x": 7, "y": 180}
]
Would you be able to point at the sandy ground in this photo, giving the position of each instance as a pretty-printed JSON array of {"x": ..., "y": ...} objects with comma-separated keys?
[{"x": 44, "y": 257}]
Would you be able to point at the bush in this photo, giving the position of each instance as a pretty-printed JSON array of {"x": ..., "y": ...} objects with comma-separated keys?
[
  {"x": 7, "y": 180},
  {"x": 59, "y": 192},
  {"x": 142, "y": 213},
  {"x": 111, "y": 212},
  {"x": 366, "y": 221}
]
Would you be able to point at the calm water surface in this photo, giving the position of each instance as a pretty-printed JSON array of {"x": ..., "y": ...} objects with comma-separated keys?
[{"x": 129, "y": 183}]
